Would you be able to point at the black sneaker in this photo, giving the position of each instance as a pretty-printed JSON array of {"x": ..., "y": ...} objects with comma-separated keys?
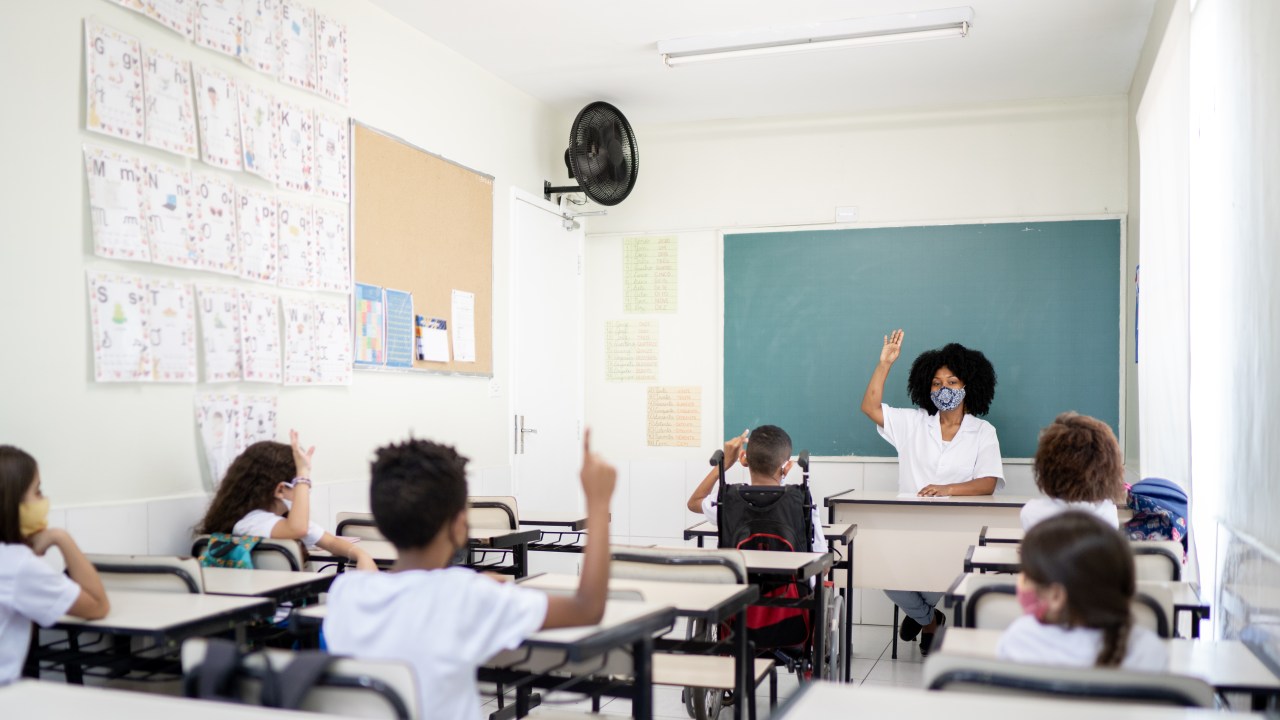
[
  {"x": 909, "y": 629},
  {"x": 926, "y": 639}
]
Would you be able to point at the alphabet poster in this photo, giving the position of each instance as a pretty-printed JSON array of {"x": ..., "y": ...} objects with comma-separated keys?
[
  {"x": 170, "y": 114},
  {"x": 331, "y": 58},
  {"x": 332, "y": 342},
  {"x": 115, "y": 204},
  {"x": 218, "y": 417},
  {"x": 260, "y": 35},
  {"x": 294, "y": 154},
  {"x": 218, "y": 26},
  {"x": 219, "y": 119},
  {"x": 113, "y": 77},
  {"x": 119, "y": 310},
  {"x": 258, "y": 131},
  {"x": 220, "y": 332},
  {"x": 258, "y": 418},
  {"x": 333, "y": 255},
  {"x": 169, "y": 218},
  {"x": 299, "y": 341},
  {"x": 173, "y": 331},
  {"x": 260, "y": 336},
  {"x": 333, "y": 170},
  {"x": 217, "y": 244},
  {"x": 298, "y": 45},
  {"x": 177, "y": 15},
  {"x": 297, "y": 245},
  {"x": 259, "y": 231}
]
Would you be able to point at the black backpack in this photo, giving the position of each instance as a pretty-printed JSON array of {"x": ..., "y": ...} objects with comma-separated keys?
[{"x": 777, "y": 518}]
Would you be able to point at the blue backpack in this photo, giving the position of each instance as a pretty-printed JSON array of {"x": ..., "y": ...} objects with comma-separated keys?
[{"x": 1159, "y": 511}]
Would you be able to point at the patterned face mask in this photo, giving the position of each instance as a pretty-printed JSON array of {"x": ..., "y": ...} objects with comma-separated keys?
[{"x": 946, "y": 398}]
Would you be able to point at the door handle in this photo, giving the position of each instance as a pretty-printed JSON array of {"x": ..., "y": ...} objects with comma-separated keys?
[{"x": 520, "y": 432}]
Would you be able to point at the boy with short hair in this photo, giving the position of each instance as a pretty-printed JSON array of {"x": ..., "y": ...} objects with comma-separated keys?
[
  {"x": 768, "y": 458},
  {"x": 446, "y": 621}
]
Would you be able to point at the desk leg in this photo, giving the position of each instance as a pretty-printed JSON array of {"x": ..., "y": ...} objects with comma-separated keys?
[
  {"x": 700, "y": 538},
  {"x": 522, "y": 701},
  {"x": 894, "y": 634},
  {"x": 642, "y": 661},
  {"x": 1195, "y": 624},
  {"x": 848, "y": 617},
  {"x": 521, "y": 559},
  {"x": 72, "y": 668},
  {"x": 742, "y": 661},
  {"x": 820, "y": 637}
]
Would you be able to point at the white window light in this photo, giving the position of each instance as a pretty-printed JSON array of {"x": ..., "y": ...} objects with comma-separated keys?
[{"x": 906, "y": 27}]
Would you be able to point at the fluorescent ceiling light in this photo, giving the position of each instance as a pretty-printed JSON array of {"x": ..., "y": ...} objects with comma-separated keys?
[{"x": 906, "y": 27}]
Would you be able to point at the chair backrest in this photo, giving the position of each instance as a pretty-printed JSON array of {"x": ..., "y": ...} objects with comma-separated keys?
[
  {"x": 493, "y": 511},
  {"x": 765, "y": 517},
  {"x": 361, "y": 525},
  {"x": 1157, "y": 559},
  {"x": 993, "y": 605},
  {"x": 349, "y": 687},
  {"x": 965, "y": 673},
  {"x": 269, "y": 554},
  {"x": 727, "y": 567},
  {"x": 149, "y": 573}
]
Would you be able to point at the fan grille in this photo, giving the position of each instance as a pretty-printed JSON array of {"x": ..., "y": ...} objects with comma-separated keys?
[{"x": 602, "y": 153}]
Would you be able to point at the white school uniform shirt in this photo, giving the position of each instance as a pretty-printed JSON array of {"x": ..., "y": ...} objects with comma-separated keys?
[
  {"x": 443, "y": 623},
  {"x": 30, "y": 591},
  {"x": 1041, "y": 509},
  {"x": 260, "y": 523},
  {"x": 924, "y": 459},
  {"x": 1030, "y": 641}
]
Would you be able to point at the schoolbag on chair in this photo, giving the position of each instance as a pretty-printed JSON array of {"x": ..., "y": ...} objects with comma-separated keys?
[{"x": 1159, "y": 511}]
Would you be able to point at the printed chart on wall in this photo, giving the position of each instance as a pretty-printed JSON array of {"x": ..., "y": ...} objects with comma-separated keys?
[
  {"x": 649, "y": 274},
  {"x": 674, "y": 416},
  {"x": 371, "y": 328},
  {"x": 631, "y": 350},
  {"x": 399, "y": 309}
]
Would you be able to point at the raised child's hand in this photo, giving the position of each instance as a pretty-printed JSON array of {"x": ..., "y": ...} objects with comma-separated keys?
[
  {"x": 598, "y": 476},
  {"x": 733, "y": 449},
  {"x": 301, "y": 458},
  {"x": 892, "y": 347}
]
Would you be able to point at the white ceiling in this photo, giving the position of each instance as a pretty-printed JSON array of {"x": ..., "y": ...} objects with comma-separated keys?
[{"x": 568, "y": 53}]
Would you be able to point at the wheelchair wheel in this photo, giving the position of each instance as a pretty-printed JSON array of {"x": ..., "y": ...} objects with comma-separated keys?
[
  {"x": 702, "y": 703},
  {"x": 833, "y": 663}
]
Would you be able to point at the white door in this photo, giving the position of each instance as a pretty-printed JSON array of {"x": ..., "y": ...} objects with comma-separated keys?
[{"x": 547, "y": 358}]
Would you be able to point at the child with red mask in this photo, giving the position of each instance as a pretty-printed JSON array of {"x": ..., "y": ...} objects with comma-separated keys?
[{"x": 1076, "y": 588}]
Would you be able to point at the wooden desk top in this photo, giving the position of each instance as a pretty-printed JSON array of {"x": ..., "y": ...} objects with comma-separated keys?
[
  {"x": 837, "y": 532},
  {"x": 33, "y": 698},
  {"x": 714, "y": 602},
  {"x": 570, "y": 521},
  {"x": 996, "y": 536},
  {"x": 830, "y": 700},
  {"x": 164, "y": 614},
  {"x": 263, "y": 583},
  {"x": 862, "y": 497},
  {"x": 1227, "y": 665},
  {"x": 796, "y": 565}
]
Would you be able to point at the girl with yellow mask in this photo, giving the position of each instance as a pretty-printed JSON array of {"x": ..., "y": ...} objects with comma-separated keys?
[{"x": 30, "y": 589}]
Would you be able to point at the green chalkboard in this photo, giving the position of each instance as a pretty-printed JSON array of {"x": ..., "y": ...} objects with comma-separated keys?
[{"x": 805, "y": 313}]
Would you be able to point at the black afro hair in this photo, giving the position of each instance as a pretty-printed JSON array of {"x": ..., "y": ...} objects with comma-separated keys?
[{"x": 972, "y": 367}]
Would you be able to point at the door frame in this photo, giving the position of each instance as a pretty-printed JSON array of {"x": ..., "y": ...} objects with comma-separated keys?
[{"x": 538, "y": 202}]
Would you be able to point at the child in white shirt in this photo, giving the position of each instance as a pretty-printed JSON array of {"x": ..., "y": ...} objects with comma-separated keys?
[
  {"x": 446, "y": 621},
  {"x": 1077, "y": 587},
  {"x": 31, "y": 590},
  {"x": 1078, "y": 466},
  {"x": 267, "y": 493}
]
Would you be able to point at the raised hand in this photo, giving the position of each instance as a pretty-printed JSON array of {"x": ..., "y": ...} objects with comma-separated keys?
[
  {"x": 598, "y": 476},
  {"x": 892, "y": 347},
  {"x": 301, "y": 458},
  {"x": 733, "y": 449}
]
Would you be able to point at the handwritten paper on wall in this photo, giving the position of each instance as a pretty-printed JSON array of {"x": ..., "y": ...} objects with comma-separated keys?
[
  {"x": 464, "y": 326},
  {"x": 631, "y": 350},
  {"x": 675, "y": 416},
  {"x": 649, "y": 274}
]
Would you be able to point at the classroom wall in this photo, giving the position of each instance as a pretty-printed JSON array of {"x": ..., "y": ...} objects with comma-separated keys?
[
  {"x": 1035, "y": 159},
  {"x": 132, "y": 443},
  {"x": 1235, "y": 301}
]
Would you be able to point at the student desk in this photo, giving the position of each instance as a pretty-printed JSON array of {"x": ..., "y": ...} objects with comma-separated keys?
[
  {"x": 33, "y": 699},
  {"x": 714, "y": 603},
  {"x": 1227, "y": 665},
  {"x": 384, "y": 553},
  {"x": 826, "y": 700},
  {"x": 843, "y": 533},
  {"x": 993, "y": 558},
  {"x": 914, "y": 543},
  {"x": 165, "y": 618},
  {"x": 995, "y": 536},
  {"x": 279, "y": 585},
  {"x": 1186, "y": 598}
]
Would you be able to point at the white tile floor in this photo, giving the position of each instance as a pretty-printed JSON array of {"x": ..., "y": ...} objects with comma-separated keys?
[{"x": 872, "y": 665}]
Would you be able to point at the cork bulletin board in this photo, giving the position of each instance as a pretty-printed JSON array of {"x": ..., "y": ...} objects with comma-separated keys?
[{"x": 424, "y": 224}]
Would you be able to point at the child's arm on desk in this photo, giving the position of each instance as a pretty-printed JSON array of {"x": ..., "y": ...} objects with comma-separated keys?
[
  {"x": 732, "y": 455},
  {"x": 586, "y": 607}
]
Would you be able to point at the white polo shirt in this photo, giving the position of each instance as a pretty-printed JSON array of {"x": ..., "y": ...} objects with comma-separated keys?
[{"x": 924, "y": 459}]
